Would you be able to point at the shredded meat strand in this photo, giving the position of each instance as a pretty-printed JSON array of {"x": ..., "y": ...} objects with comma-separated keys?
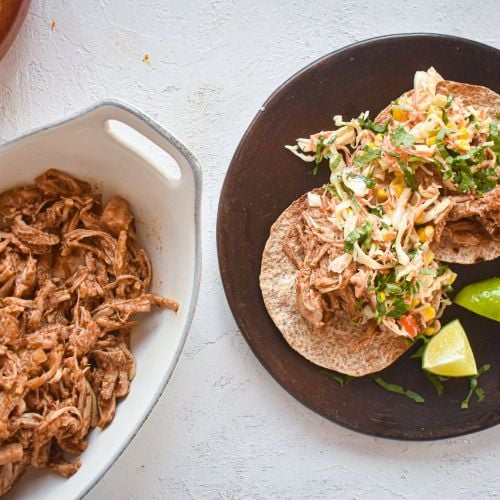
[
  {"x": 72, "y": 276},
  {"x": 479, "y": 215}
]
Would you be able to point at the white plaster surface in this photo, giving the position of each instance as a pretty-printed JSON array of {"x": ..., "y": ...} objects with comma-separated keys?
[{"x": 223, "y": 428}]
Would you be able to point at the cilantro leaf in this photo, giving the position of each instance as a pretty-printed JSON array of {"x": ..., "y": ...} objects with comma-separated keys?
[
  {"x": 369, "y": 154},
  {"x": 462, "y": 170},
  {"x": 360, "y": 304},
  {"x": 381, "y": 308},
  {"x": 420, "y": 351},
  {"x": 485, "y": 180},
  {"x": 408, "y": 174},
  {"x": 394, "y": 289},
  {"x": 379, "y": 212},
  {"x": 398, "y": 389},
  {"x": 358, "y": 235},
  {"x": 318, "y": 157},
  {"x": 495, "y": 137},
  {"x": 367, "y": 123},
  {"x": 338, "y": 377},
  {"x": 333, "y": 160},
  {"x": 436, "y": 381},
  {"x": 402, "y": 138},
  {"x": 369, "y": 182},
  {"x": 399, "y": 308},
  {"x": 474, "y": 389}
]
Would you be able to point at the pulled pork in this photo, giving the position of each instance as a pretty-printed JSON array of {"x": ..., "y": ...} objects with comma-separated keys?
[
  {"x": 72, "y": 276},
  {"x": 472, "y": 218}
]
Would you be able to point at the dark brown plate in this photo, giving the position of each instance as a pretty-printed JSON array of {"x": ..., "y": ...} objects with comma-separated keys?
[
  {"x": 12, "y": 14},
  {"x": 264, "y": 178}
]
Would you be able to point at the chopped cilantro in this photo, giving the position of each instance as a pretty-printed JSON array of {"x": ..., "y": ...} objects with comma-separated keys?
[
  {"x": 442, "y": 149},
  {"x": 330, "y": 140},
  {"x": 402, "y": 138},
  {"x": 352, "y": 195},
  {"x": 441, "y": 133},
  {"x": 420, "y": 351},
  {"x": 379, "y": 212},
  {"x": 399, "y": 308},
  {"x": 367, "y": 123},
  {"x": 338, "y": 377},
  {"x": 333, "y": 160},
  {"x": 436, "y": 381},
  {"x": 464, "y": 175},
  {"x": 474, "y": 388},
  {"x": 394, "y": 289},
  {"x": 370, "y": 183},
  {"x": 485, "y": 180},
  {"x": 441, "y": 269},
  {"x": 358, "y": 235},
  {"x": 381, "y": 309},
  {"x": 398, "y": 389},
  {"x": 360, "y": 304},
  {"x": 369, "y": 154},
  {"x": 319, "y": 155},
  {"x": 495, "y": 138},
  {"x": 408, "y": 174}
]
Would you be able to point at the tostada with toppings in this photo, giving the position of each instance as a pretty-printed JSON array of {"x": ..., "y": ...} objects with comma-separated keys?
[{"x": 355, "y": 270}]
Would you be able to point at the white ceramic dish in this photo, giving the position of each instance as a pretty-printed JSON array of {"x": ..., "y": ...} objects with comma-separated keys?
[{"x": 168, "y": 224}]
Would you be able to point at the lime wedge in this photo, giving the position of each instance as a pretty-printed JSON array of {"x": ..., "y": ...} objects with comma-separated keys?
[
  {"x": 483, "y": 298},
  {"x": 449, "y": 354}
]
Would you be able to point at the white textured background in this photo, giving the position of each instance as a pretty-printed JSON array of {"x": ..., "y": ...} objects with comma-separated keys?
[{"x": 224, "y": 429}]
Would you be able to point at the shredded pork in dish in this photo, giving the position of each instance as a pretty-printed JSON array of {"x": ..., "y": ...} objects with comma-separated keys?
[
  {"x": 430, "y": 163},
  {"x": 72, "y": 276}
]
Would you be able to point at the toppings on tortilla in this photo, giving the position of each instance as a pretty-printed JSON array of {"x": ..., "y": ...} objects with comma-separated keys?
[{"x": 369, "y": 243}]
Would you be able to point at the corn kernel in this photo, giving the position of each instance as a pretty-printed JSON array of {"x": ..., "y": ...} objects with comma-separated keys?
[
  {"x": 397, "y": 185},
  {"x": 415, "y": 302},
  {"x": 399, "y": 115},
  {"x": 462, "y": 145},
  {"x": 430, "y": 140},
  {"x": 387, "y": 236},
  {"x": 425, "y": 233},
  {"x": 440, "y": 100},
  {"x": 371, "y": 144},
  {"x": 381, "y": 296},
  {"x": 451, "y": 278},
  {"x": 420, "y": 218},
  {"x": 398, "y": 189},
  {"x": 451, "y": 124},
  {"x": 428, "y": 313},
  {"x": 381, "y": 194},
  {"x": 428, "y": 256},
  {"x": 463, "y": 133},
  {"x": 430, "y": 330}
]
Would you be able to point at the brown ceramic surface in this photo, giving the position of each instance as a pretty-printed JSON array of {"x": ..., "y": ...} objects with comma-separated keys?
[
  {"x": 12, "y": 14},
  {"x": 264, "y": 178}
]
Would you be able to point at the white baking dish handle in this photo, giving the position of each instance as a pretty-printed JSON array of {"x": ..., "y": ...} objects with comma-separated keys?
[{"x": 143, "y": 124}]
